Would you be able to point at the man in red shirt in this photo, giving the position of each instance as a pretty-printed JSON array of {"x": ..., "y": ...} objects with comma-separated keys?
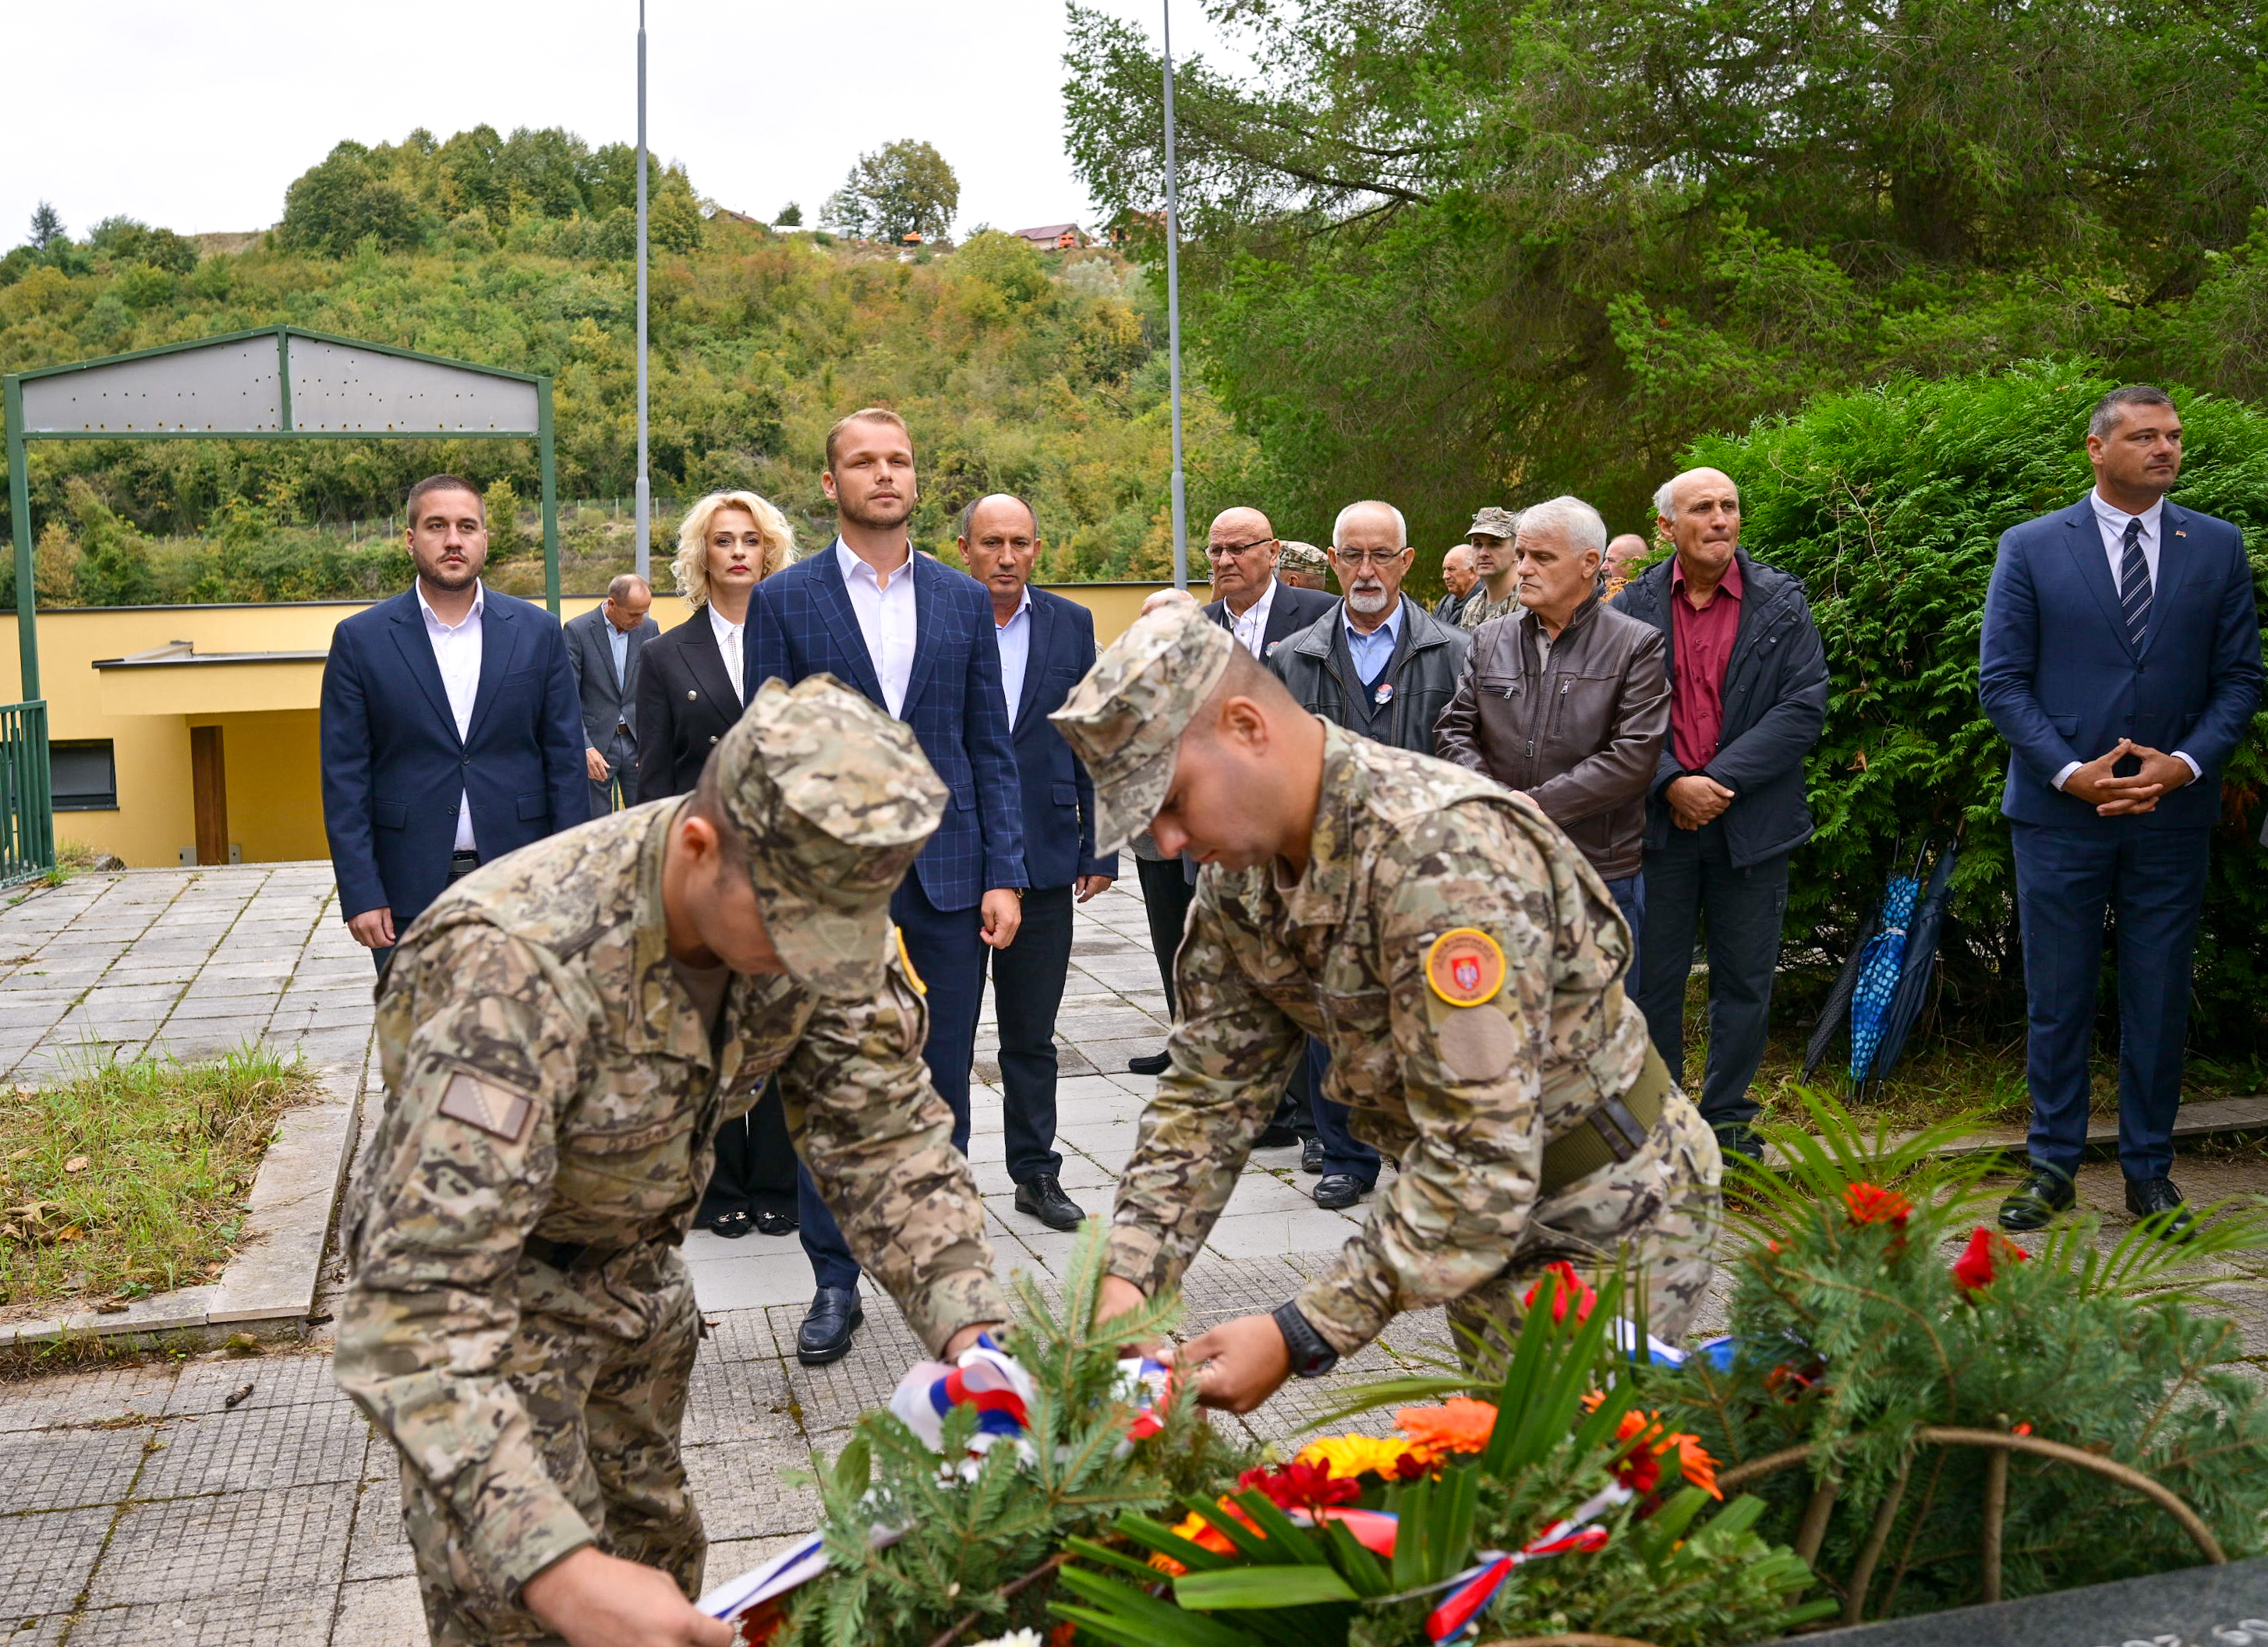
[{"x": 1748, "y": 697}]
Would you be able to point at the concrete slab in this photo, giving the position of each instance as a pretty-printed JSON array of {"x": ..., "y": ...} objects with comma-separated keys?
[
  {"x": 287, "y": 1542},
  {"x": 48, "y": 1558},
  {"x": 273, "y": 1276},
  {"x": 382, "y": 1613}
]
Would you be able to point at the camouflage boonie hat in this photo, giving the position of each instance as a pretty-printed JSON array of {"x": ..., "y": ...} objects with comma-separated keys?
[
  {"x": 833, "y": 799},
  {"x": 1301, "y": 558},
  {"x": 1124, "y": 720},
  {"x": 1497, "y": 522}
]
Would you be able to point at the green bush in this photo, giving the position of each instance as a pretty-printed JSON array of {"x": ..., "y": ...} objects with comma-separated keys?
[{"x": 1890, "y": 505}]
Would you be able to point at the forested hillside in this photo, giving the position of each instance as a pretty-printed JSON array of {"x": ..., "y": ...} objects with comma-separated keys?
[{"x": 1038, "y": 373}]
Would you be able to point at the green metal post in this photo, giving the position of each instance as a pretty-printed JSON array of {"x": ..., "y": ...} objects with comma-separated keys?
[
  {"x": 550, "y": 469},
  {"x": 19, "y": 510},
  {"x": 284, "y": 379}
]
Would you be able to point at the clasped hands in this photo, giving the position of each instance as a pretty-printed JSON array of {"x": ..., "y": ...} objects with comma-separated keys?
[
  {"x": 2127, "y": 796},
  {"x": 1696, "y": 798}
]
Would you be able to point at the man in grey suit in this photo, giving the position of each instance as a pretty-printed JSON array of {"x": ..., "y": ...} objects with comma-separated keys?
[{"x": 602, "y": 649}]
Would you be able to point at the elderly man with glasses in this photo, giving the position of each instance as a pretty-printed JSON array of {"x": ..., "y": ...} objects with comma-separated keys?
[
  {"x": 1255, "y": 605},
  {"x": 1382, "y": 666}
]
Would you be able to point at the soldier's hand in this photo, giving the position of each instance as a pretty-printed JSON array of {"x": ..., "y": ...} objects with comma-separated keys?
[
  {"x": 600, "y": 1600},
  {"x": 1242, "y": 1362},
  {"x": 373, "y": 929}
]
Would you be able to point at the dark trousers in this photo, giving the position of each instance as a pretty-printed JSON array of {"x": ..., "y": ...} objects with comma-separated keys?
[
  {"x": 1343, "y": 1151},
  {"x": 460, "y": 865},
  {"x": 946, "y": 947},
  {"x": 2155, "y": 880},
  {"x": 755, "y": 1163},
  {"x": 1692, "y": 882},
  {"x": 1027, "y": 989},
  {"x": 1629, "y": 898},
  {"x": 621, "y": 767},
  {"x": 1166, "y": 893}
]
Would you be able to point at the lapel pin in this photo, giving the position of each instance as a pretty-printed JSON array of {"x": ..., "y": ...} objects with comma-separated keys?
[{"x": 2179, "y": 532}]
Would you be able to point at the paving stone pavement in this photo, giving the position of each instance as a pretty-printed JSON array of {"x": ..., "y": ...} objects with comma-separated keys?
[{"x": 137, "y": 1506}]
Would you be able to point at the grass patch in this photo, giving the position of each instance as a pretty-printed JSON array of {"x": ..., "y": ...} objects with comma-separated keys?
[{"x": 131, "y": 1177}]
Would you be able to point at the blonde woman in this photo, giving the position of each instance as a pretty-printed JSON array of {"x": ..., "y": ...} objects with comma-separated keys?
[
  {"x": 689, "y": 694},
  {"x": 689, "y": 686}
]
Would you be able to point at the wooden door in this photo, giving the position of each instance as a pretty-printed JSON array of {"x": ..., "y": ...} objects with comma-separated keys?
[{"x": 209, "y": 783}]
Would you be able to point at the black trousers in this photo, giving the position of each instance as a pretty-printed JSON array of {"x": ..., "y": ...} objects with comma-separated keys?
[
  {"x": 755, "y": 1163},
  {"x": 1166, "y": 893},
  {"x": 1691, "y": 882},
  {"x": 1027, "y": 989}
]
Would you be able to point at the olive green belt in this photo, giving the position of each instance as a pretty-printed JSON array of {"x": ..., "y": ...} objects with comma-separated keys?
[{"x": 1615, "y": 1131}]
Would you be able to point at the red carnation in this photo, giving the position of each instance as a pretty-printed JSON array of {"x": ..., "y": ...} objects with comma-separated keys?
[
  {"x": 1572, "y": 1289},
  {"x": 1301, "y": 1486},
  {"x": 1871, "y": 1203},
  {"x": 1977, "y": 1264}
]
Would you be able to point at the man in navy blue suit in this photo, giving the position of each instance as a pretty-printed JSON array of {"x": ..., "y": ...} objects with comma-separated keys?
[
  {"x": 916, "y": 636},
  {"x": 451, "y": 729},
  {"x": 2121, "y": 661},
  {"x": 1047, "y": 644}
]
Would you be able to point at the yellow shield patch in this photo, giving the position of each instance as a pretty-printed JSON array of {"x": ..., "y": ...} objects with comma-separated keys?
[{"x": 1465, "y": 966}]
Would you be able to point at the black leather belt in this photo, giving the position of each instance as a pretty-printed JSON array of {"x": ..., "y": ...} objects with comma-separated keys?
[
  {"x": 1615, "y": 1131},
  {"x": 464, "y": 860}
]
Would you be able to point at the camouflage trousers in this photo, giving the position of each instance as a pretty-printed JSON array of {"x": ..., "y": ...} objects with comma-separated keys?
[
  {"x": 1657, "y": 1213},
  {"x": 601, "y": 1359}
]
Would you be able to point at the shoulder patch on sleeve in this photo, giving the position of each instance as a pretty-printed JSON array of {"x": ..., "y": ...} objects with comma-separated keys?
[
  {"x": 494, "y": 1110},
  {"x": 1465, "y": 966}
]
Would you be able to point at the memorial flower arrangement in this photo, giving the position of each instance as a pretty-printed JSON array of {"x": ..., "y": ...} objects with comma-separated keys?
[{"x": 1875, "y": 1300}]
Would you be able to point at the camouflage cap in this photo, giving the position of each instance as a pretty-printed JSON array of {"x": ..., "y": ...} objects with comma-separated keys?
[
  {"x": 1301, "y": 558},
  {"x": 1497, "y": 522},
  {"x": 833, "y": 799},
  {"x": 1125, "y": 718}
]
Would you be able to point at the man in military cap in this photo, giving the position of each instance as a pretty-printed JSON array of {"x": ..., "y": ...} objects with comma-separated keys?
[
  {"x": 1495, "y": 590},
  {"x": 561, "y": 1033},
  {"x": 1303, "y": 566},
  {"x": 1462, "y": 962}
]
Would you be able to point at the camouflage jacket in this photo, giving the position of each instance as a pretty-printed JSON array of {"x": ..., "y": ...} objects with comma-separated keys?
[
  {"x": 1479, "y": 608},
  {"x": 544, "y": 980},
  {"x": 1406, "y": 849}
]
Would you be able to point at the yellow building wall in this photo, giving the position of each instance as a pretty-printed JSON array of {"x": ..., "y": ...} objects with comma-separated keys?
[{"x": 267, "y": 712}]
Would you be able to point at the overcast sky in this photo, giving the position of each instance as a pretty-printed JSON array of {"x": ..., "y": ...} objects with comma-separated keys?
[{"x": 195, "y": 118}]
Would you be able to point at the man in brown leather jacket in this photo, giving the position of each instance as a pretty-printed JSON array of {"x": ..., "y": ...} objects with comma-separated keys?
[{"x": 1567, "y": 701}]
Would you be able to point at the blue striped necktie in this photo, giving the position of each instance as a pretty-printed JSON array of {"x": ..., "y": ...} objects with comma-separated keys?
[{"x": 2134, "y": 586}]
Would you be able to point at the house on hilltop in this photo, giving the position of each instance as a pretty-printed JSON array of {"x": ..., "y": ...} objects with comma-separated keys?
[{"x": 1054, "y": 236}]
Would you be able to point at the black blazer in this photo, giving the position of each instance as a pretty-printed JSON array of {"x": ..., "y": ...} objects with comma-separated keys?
[
  {"x": 1295, "y": 610},
  {"x": 685, "y": 703}
]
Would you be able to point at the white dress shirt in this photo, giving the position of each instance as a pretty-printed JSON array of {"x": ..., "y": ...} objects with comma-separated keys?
[
  {"x": 1251, "y": 630},
  {"x": 732, "y": 642},
  {"x": 2112, "y": 522},
  {"x": 886, "y": 620},
  {"x": 1015, "y": 638},
  {"x": 457, "y": 653}
]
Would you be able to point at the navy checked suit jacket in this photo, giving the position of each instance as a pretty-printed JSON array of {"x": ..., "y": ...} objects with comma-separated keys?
[
  {"x": 394, "y": 765},
  {"x": 2061, "y": 682},
  {"x": 800, "y": 623},
  {"x": 1058, "y": 795}
]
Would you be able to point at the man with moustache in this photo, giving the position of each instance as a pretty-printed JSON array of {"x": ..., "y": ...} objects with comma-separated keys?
[
  {"x": 451, "y": 732},
  {"x": 917, "y": 637},
  {"x": 1496, "y": 593},
  {"x": 1046, "y": 644},
  {"x": 1384, "y": 668},
  {"x": 1256, "y": 607}
]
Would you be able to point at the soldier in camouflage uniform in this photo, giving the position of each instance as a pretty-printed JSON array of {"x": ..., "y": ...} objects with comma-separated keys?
[
  {"x": 1495, "y": 593},
  {"x": 563, "y": 1032},
  {"x": 1464, "y": 964},
  {"x": 1303, "y": 566}
]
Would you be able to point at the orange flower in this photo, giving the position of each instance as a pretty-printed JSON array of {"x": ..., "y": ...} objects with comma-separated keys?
[
  {"x": 1695, "y": 1464},
  {"x": 1647, "y": 1442},
  {"x": 1205, "y": 1535},
  {"x": 1871, "y": 1203},
  {"x": 1460, "y": 1424}
]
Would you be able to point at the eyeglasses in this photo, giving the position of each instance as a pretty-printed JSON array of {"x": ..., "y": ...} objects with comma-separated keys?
[
  {"x": 1359, "y": 558},
  {"x": 1216, "y": 550}
]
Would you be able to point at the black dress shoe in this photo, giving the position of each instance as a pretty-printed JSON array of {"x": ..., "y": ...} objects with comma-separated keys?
[
  {"x": 734, "y": 1224},
  {"x": 1311, "y": 1155},
  {"x": 1739, "y": 1138},
  {"x": 1277, "y": 1135},
  {"x": 2032, "y": 1204},
  {"x": 2157, "y": 1198},
  {"x": 825, "y": 1334},
  {"x": 1041, "y": 1196},
  {"x": 1339, "y": 1189},
  {"x": 778, "y": 1223},
  {"x": 1148, "y": 1064}
]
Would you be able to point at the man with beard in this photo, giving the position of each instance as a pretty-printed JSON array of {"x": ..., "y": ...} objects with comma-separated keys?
[
  {"x": 452, "y": 731},
  {"x": 1384, "y": 668},
  {"x": 917, "y": 637}
]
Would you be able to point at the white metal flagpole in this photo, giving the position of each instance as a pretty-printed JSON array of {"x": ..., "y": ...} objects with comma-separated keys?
[
  {"x": 645, "y": 500},
  {"x": 1173, "y": 320}
]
